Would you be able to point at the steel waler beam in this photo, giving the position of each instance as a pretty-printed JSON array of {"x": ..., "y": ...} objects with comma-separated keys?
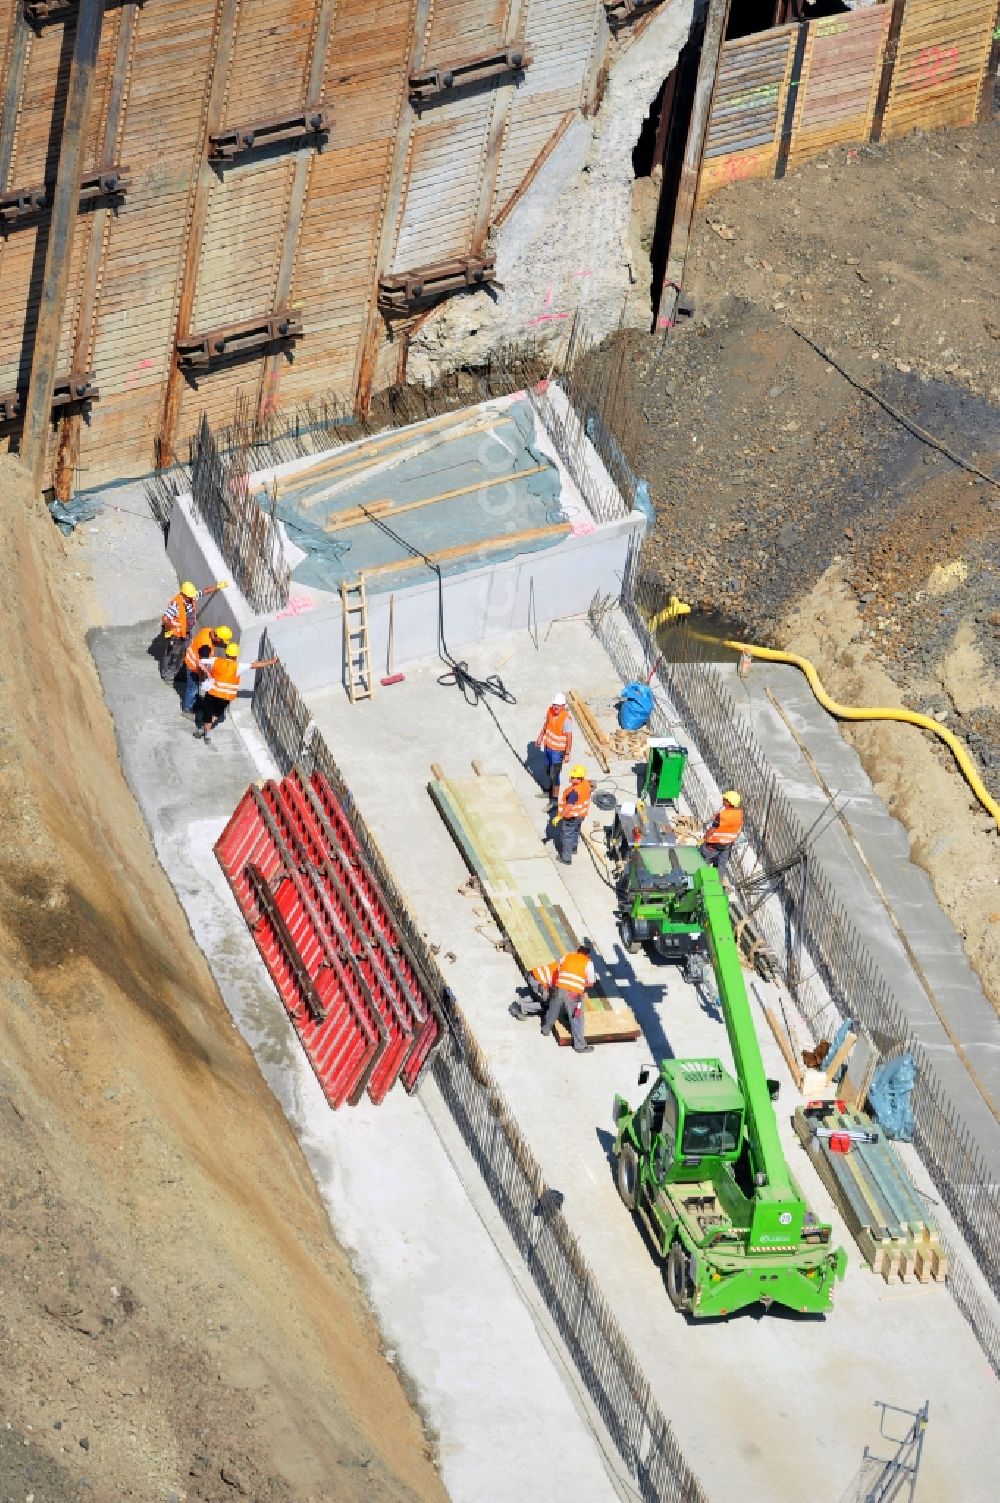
[
  {"x": 364, "y": 375},
  {"x": 83, "y": 333},
  {"x": 204, "y": 181},
  {"x": 62, "y": 222},
  {"x": 273, "y": 365},
  {"x": 694, "y": 151}
]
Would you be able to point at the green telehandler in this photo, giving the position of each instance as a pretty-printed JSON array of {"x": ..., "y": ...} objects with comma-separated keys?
[{"x": 701, "y": 1162}]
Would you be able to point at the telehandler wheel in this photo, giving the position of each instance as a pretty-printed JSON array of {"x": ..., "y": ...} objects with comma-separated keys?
[
  {"x": 677, "y": 1277},
  {"x": 627, "y": 1174},
  {"x": 630, "y": 940}
]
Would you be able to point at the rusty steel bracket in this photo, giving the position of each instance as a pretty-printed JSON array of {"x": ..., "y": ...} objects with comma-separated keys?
[
  {"x": 199, "y": 351},
  {"x": 403, "y": 291},
  {"x": 39, "y": 13},
  {"x": 485, "y": 67},
  {"x": 19, "y": 204},
  {"x": 620, "y": 12},
  {"x": 285, "y": 129},
  {"x": 71, "y": 390}
]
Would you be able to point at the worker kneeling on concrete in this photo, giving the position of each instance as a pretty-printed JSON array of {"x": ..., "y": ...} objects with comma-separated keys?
[
  {"x": 221, "y": 687},
  {"x": 720, "y": 837},
  {"x": 177, "y": 625},
  {"x": 198, "y": 660},
  {"x": 574, "y": 806},
  {"x": 558, "y": 989}
]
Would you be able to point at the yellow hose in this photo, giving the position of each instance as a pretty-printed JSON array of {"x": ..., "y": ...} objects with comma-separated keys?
[{"x": 854, "y": 712}]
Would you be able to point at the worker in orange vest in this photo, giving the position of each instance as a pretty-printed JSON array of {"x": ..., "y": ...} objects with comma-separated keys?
[
  {"x": 198, "y": 662},
  {"x": 177, "y": 625},
  {"x": 555, "y": 739},
  {"x": 723, "y": 832},
  {"x": 221, "y": 686},
  {"x": 540, "y": 981},
  {"x": 574, "y": 974},
  {"x": 574, "y": 806}
]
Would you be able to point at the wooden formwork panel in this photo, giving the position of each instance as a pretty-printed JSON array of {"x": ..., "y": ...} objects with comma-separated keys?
[
  {"x": 463, "y": 28},
  {"x": 19, "y": 281},
  {"x": 161, "y": 143},
  {"x": 270, "y": 63},
  {"x": 560, "y": 35},
  {"x": 940, "y": 62},
  {"x": 748, "y": 108},
  {"x": 43, "y": 92},
  {"x": 444, "y": 173},
  {"x": 839, "y": 84},
  {"x": 335, "y": 268}
]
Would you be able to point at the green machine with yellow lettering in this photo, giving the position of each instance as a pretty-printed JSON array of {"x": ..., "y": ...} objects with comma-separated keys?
[{"x": 700, "y": 1160}]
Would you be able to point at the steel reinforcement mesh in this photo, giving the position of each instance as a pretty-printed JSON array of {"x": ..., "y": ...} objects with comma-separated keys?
[
  {"x": 606, "y": 1363},
  {"x": 810, "y": 921}
]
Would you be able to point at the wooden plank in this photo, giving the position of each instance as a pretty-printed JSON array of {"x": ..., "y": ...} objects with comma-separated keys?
[
  {"x": 335, "y": 524},
  {"x": 463, "y": 550},
  {"x": 783, "y": 1043}
]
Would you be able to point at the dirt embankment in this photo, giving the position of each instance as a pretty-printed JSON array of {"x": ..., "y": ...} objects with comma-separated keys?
[
  {"x": 176, "y": 1320},
  {"x": 768, "y": 468}
]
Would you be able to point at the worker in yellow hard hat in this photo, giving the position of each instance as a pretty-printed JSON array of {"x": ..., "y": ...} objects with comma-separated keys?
[
  {"x": 198, "y": 662},
  {"x": 723, "y": 832},
  {"x": 574, "y": 806},
  {"x": 221, "y": 688},
  {"x": 177, "y": 625}
]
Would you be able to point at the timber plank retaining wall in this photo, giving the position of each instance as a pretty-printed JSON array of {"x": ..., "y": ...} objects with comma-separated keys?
[{"x": 787, "y": 94}]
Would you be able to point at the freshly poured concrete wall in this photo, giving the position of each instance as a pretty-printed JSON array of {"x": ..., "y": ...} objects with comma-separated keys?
[{"x": 520, "y": 594}]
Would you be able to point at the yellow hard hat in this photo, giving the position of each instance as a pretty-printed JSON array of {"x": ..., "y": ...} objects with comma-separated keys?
[
  {"x": 579, "y": 771},
  {"x": 732, "y": 797},
  {"x": 188, "y": 589},
  {"x": 233, "y": 650},
  {"x": 224, "y": 633}
]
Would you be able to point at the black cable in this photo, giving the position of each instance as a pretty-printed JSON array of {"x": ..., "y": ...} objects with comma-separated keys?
[{"x": 474, "y": 690}]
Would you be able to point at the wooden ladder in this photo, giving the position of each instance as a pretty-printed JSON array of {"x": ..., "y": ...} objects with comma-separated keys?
[{"x": 357, "y": 654}]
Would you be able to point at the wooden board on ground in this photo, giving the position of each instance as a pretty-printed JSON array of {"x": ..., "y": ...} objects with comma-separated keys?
[{"x": 525, "y": 892}]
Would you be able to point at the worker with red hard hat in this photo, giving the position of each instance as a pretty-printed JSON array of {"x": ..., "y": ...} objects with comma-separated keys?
[
  {"x": 723, "y": 832},
  {"x": 177, "y": 625},
  {"x": 574, "y": 806},
  {"x": 221, "y": 686},
  {"x": 555, "y": 739}
]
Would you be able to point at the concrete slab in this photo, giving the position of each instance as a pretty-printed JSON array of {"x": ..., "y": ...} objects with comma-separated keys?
[
  {"x": 796, "y": 1395},
  {"x": 458, "y": 1313},
  {"x": 931, "y": 935}
]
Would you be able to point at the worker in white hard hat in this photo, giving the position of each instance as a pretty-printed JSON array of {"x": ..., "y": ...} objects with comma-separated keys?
[
  {"x": 555, "y": 739},
  {"x": 177, "y": 625},
  {"x": 574, "y": 806},
  {"x": 221, "y": 687},
  {"x": 723, "y": 832}
]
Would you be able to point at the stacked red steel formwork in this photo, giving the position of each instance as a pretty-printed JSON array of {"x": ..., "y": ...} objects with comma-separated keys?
[{"x": 327, "y": 936}]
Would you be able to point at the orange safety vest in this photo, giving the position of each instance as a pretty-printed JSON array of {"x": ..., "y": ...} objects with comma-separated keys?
[
  {"x": 175, "y": 617},
  {"x": 201, "y": 639},
  {"x": 725, "y": 827},
  {"x": 557, "y": 733},
  {"x": 543, "y": 974},
  {"x": 580, "y": 807},
  {"x": 224, "y": 679},
  {"x": 575, "y": 973}
]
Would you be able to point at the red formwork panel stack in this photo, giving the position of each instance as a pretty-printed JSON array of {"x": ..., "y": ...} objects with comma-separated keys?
[{"x": 328, "y": 938}]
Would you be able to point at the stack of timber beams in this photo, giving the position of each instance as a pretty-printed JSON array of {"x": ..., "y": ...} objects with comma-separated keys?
[
  {"x": 524, "y": 892},
  {"x": 875, "y": 1196}
]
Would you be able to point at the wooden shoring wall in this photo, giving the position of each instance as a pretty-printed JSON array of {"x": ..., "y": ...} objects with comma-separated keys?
[
  {"x": 197, "y": 245},
  {"x": 774, "y": 109}
]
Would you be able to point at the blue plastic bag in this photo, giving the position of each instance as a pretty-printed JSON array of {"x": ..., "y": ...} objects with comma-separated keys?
[
  {"x": 889, "y": 1097},
  {"x": 636, "y": 707}
]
